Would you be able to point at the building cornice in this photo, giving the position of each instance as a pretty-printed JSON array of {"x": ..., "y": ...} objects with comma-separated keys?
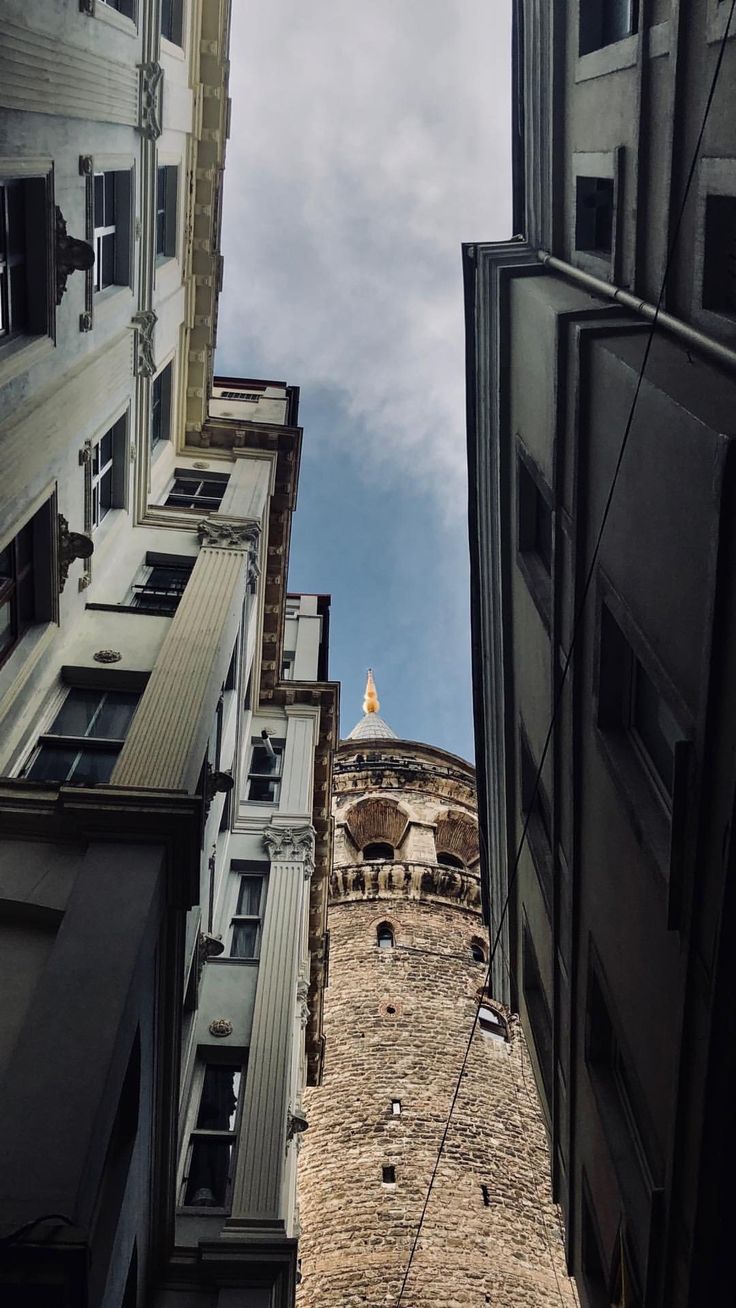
[{"x": 351, "y": 882}]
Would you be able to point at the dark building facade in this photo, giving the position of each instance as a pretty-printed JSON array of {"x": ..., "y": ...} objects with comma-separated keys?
[{"x": 616, "y": 920}]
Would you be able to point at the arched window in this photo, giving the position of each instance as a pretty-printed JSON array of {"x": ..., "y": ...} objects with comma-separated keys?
[
  {"x": 376, "y": 850},
  {"x": 384, "y": 936},
  {"x": 492, "y": 1023},
  {"x": 477, "y": 951},
  {"x": 449, "y": 860}
]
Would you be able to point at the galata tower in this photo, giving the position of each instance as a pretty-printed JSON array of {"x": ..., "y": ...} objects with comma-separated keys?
[{"x": 408, "y": 958}]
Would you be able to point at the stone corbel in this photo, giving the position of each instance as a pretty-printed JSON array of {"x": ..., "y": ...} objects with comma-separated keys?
[
  {"x": 72, "y": 255},
  {"x": 291, "y": 845},
  {"x": 72, "y": 545},
  {"x": 143, "y": 324},
  {"x": 150, "y": 99},
  {"x": 296, "y": 1125}
]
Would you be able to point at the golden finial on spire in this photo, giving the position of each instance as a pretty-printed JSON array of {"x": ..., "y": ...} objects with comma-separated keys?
[{"x": 370, "y": 699}]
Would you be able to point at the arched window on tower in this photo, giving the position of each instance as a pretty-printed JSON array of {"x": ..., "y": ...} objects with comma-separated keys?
[
  {"x": 492, "y": 1023},
  {"x": 449, "y": 860},
  {"x": 477, "y": 951},
  {"x": 384, "y": 936},
  {"x": 377, "y": 850}
]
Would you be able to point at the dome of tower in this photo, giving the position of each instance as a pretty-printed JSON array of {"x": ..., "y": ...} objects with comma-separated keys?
[{"x": 371, "y": 727}]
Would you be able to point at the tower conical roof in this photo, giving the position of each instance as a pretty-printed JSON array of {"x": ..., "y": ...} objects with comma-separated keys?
[{"x": 371, "y": 727}]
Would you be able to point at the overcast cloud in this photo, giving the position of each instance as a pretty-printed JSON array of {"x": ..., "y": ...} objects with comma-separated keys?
[{"x": 368, "y": 141}]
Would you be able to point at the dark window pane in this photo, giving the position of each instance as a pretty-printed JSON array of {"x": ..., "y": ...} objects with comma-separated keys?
[
  {"x": 107, "y": 271},
  {"x": 594, "y": 214},
  {"x": 105, "y": 492},
  {"x": 16, "y": 211},
  {"x": 7, "y": 626},
  {"x": 99, "y": 200},
  {"x": 262, "y": 790},
  {"x": 209, "y": 1169},
  {"x": 106, "y": 448},
  {"x": 77, "y": 712},
  {"x": 245, "y": 939},
  {"x": 53, "y": 763},
  {"x": 115, "y": 713},
  {"x": 94, "y": 767},
  {"x": 265, "y": 763},
  {"x": 249, "y": 898},
  {"x": 219, "y": 1102},
  {"x": 18, "y": 297},
  {"x": 109, "y": 199}
]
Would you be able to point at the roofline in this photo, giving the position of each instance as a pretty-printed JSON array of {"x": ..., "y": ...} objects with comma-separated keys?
[{"x": 411, "y": 746}]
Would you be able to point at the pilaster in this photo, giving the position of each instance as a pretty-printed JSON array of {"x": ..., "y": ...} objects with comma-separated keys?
[
  {"x": 257, "y": 1192},
  {"x": 166, "y": 744},
  {"x": 302, "y": 734}
]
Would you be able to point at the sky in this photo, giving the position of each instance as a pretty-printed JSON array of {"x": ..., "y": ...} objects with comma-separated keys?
[{"x": 368, "y": 142}]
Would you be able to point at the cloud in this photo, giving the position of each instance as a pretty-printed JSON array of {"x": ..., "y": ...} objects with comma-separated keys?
[{"x": 368, "y": 141}]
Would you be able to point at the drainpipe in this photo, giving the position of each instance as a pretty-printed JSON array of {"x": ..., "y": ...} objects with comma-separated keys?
[{"x": 720, "y": 353}]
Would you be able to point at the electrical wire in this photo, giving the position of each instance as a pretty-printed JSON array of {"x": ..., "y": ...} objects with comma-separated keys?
[{"x": 576, "y": 626}]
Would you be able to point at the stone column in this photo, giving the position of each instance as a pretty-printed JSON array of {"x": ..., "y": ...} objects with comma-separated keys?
[
  {"x": 165, "y": 746},
  {"x": 264, "y": 1129}
]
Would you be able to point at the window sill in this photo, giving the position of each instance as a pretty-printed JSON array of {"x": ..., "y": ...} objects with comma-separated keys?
[
  {"x": 608, "y": 59},
  {"x": 538, "y": 583},
  {"x": 21, "y": 354},
  {"x": 599, "y": 264},
  {"x": 119, "y": 21},
  {"x": 172, "y": 50},
  {"x": 104, "y": 303}
]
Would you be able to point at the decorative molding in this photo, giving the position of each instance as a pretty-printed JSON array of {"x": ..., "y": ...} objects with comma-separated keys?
[
  {"x": 144, "y": 359},
  {"x": 302, "y": 994},
  {"x": 394, "y": 880},
  {"x": 291, "y": 845},
  {"x": 150, "y": 102},
  {"x": 87, "y": 171},
  {"x": 107, "y": 656},
  {"x": 72, "y": 545},
  {"x": 43, "y": 74},
  {"x": 72, "y": 255},
  {"x": 220, "y": 1027}
]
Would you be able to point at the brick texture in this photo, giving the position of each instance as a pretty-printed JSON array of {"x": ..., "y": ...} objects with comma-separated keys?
[{"x": 397, "y": 1023}]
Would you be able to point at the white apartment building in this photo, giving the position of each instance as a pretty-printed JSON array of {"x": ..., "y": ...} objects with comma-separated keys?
[{"x": 165, "y": 722}]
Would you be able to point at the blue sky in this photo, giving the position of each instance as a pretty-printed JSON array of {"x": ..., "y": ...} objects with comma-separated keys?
[{"x": 367, "y": 143}]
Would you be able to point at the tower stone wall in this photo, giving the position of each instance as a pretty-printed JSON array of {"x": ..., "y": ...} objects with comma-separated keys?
[{"x": 397, "y": 1023}]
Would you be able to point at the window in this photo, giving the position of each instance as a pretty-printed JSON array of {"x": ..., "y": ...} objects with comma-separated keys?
[
  {"x": 239, "y": 395},
  {"x": 264, "y": 773},
  {"x": 112, "y": 197},
  {"x": 604, "y": 21},
  {"x": 248, "y": 919},
  {"x": 540, "y": 1019},
  {"x": 377, "y": 851},
  {"x": 107, "y": 471},
  {"x": 478, "y": 952},
  {"x": 193, "y": 490},
  {"x": 24, "y": 240},
  {"x": 719, "y": 267},
  {"x": 126, "y": 7},
  {"x": 208, "y": 1170},
  {"x": 384, "y": 936},
  {"x": 492, "y": 1023},
  {"x": 172, "y": 20},
  {"x": 396, "y": 1108},
  {"x": 486, "y": 1194},
  {"x": 592, "y": 1257},
  {"x": 166, "y": 188},
  {"x": 594, "y": 215},
  {"x": 450, "y": 860},
  {"x": 609, "y": 1064},
  {"x": 287, "y": 665},
  {"x": 630, "y": 701},
  {"x": 388, "y": 1175},
  {"x": 163, "y": 584},
  {"x": 85, "y": 737},
  {"x": 161, "y": 407},
  {"x": 535, "y": 810},
  {"x": 26, "y": 582}
]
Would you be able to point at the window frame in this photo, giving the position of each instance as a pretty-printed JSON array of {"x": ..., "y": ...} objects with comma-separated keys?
[
  {"x": 385, "y": 931},
  {"x": 120, "y": 229},
  {"x": 183, "y": 563},
  {"x": 659, "y": 818},
  {"x": 162, "y": 388},
  {"x": 531, "y": 490},
  {"x": 275, "y": 778},
  {"x": 193, "y": 1133},
  {"x": 167, "y": 212},
  {"x": 536, "y": 813},
  {"x": 56, "y": 742},
  {"x": 604, "y": 166},
  {"x": 716, "y": 181},
  {"x": 201, "y": 503},
  {"x": 632, "y": 27},
  {"x": 30, "y": 174},
  {"x": 175, "y": 34},
  {"x": 254, "y": 871},
  {"x": 42, "y": 522}
]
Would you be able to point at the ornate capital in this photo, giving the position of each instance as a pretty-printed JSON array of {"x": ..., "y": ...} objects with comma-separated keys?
[
  {"x": 218, "y": 533},
  {"x": 150, "y": 98},
  {"x": 291, "y": 845},
  {"x": 143, "y": 323}
]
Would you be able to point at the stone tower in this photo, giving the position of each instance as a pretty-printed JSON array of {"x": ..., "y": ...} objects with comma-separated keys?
[{"x": 408, "y": 957}]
